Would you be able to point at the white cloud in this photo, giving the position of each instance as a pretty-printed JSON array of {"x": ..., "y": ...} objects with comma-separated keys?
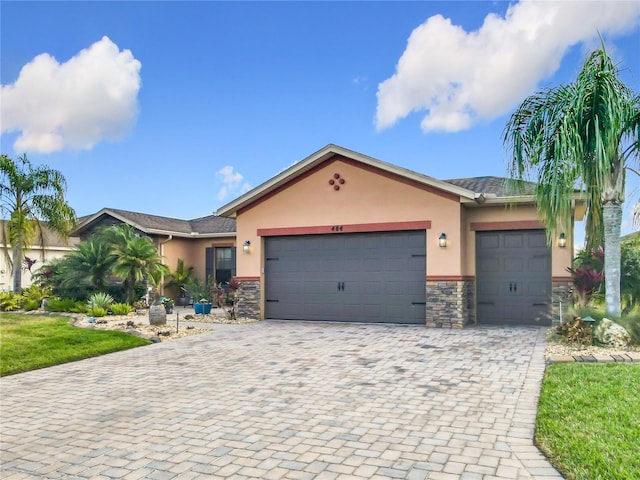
[
  {"x": 232, "y": 183},
  {"x": 76, "y": 104},
  {"x": 461, "y": 77}
]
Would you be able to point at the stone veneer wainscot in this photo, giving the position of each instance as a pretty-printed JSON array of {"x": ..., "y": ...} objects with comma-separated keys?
[
  {"x": 248, "y": 299},
  {"x": 450, "y": 303}
]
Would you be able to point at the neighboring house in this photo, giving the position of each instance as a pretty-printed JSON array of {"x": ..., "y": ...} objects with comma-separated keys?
[
  {"x": 49, "y": 247},
  {"x": 207, "y": 243},
  {"x": 344, "y": 237}
]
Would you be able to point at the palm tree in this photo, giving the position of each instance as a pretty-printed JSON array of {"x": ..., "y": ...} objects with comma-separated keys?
[
  {"x": 580, "y": 135},
  {"x": 89, "y": 263},
  {"x": 136, "y": 257},
  {"x": 30, "y": 196},
  {"x": 180, "y": 278}
]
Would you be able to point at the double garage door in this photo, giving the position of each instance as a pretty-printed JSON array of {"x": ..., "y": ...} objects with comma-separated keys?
[
  {"x": 350, "y": 277},
  {"x": 380, "y": 277}
]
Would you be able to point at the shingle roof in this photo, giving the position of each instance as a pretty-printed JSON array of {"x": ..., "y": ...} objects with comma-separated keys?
[
  {"x": 50, "y": 238},
  {"x": 498, "y": 186},
  {"x": 157, "y": 224}
]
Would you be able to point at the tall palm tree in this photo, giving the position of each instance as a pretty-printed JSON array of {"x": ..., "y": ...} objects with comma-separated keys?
[
  {"x": 580, "y": 135},
  {"x": 136, "y": 257},
  {"x": 30, "y": 196}
]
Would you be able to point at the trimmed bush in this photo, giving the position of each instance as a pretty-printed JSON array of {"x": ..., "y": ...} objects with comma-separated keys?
[
  {"x": 97, "y": 311},
  {"x": 9, "y": 301},
  {"x": 65, "y": 305},
  {"x": 30, "y": 305},
  {"x": 120, "y": 308}
]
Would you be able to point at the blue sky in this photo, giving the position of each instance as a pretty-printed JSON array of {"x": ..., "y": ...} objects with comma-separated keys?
[{"x": 175, "y": 108}]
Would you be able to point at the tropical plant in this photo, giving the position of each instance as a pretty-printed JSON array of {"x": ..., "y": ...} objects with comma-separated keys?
[
  {"x": 97, "y": 311},
  {"x": 181, "y": 277},
  {"x": 65, "y": 305},
  {"x": 168, "y": 302},
  {"x": 137, "y": 259},
  {"x": 36, "y": 293},
  {"x": 200, "y": 291},
  {"x": 89, "y": 263},
  {"x": 227, "y": 298},
  {"x": 100, "y": 300},
  {"x": 120, "y": 308},
  {"x": 10, "y": 301},
  {"x": 33, "y": 296},
  {"x": 583, "y": 134},
  {"x": 29, "y": 196},
  {"x": 587, "y": 281}
]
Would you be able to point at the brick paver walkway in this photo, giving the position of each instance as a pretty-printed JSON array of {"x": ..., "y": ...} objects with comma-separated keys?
[{"x": 286, "y": 400}]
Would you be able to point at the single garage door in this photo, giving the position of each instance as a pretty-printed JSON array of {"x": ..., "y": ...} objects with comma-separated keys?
[
  {"x": 513, "y": 277},
  {"x": 351, "y": 277}
]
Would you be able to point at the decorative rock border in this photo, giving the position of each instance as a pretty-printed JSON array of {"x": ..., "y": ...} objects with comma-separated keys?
[{"x": 630, "y": 357}]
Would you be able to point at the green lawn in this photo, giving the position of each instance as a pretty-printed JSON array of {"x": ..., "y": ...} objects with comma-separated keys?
[
  {"x": 589, "y": 420},
  {"x": 28, "y": 342}
]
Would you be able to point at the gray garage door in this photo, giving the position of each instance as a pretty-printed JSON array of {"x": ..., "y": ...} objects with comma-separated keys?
[
  {"x": 513, "y": 277},
  {"x": 359, "y": 277}
]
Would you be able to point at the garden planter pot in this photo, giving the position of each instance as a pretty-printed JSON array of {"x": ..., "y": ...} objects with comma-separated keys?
[
  {"x": 157, "y": 315},
  {"x": 203, "y": 308},
  {"x": 183, "y": 301},
  {"x": 168, "y": 309}
]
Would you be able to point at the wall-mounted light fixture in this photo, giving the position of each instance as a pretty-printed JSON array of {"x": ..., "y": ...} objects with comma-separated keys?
[
  {"x": 562, "y": 240},
  {"x": 246, "y": 247},
  {"x": 442, "y": 240}
]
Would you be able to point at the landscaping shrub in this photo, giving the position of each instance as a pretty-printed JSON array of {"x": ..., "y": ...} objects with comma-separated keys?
[
  {"x": 35, "y": 294},
  {"x": 97, "y": 311},
  {"x": 100, "y": 300},
  {"x": 65, "y": 305},
  {"x": 10, "y": 301},
  {"x": 30, "y": 305},
  {"x": 120, "y": 308},
  {"x": 576, "y": 331}
]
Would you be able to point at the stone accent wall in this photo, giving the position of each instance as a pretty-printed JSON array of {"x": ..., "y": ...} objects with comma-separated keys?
[
  {"x": 249, "y": 299},
  {"x": 450, "y": 304},
  {"x": 561, "y": 292}
]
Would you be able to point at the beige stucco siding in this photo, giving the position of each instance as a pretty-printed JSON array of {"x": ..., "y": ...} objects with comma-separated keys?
[
  {"x": 192, "y": 251},
  {"x": 35, "y": 253},
  {"x": 367, "y": 197}
]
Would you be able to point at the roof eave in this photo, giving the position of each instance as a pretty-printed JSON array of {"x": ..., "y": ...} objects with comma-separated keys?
[{"x": 153, "y": 231}]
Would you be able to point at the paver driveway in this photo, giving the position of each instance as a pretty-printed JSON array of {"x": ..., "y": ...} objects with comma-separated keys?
[{"x": 286, "y": 400}]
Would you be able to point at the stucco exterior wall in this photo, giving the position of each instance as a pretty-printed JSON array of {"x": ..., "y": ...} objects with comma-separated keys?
[
  {"x": 50, "y": 253},
  {"x": 365, "y": 197},
  {"x": 192, "y": 251}
]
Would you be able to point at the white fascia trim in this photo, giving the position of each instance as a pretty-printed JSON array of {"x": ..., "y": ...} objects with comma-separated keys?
[{"x": 191, "y": 234}]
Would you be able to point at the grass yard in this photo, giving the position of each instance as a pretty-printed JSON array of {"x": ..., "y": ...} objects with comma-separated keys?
[
  {"x": 28, "y": 342},
  {"x": 589, "y": 420}
]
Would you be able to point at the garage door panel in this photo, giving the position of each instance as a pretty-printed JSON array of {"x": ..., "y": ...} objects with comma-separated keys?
[
  {"x": 513, "y": 240},
  {"x": 372, "y": 277},
  {"x": 513, "y": 277},
  {"x": 537, "y": 290},
  {"x": 488, "y": 241},
  {"x": 537, "y": 241},
  {"x": 513, "y": 264}
]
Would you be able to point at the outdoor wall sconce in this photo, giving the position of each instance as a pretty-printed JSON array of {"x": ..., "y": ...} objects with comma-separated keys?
[
  {"x": 442, "y": 240},
  {"x": 562, "y": 240},
  {"x": 246, "y": 246}
]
